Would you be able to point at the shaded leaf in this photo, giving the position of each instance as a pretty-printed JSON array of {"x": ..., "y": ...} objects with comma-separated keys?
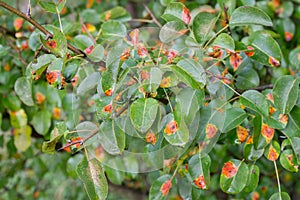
[
  {"x": 41, "y": 121},
  {"x": 143, "y": 113}
]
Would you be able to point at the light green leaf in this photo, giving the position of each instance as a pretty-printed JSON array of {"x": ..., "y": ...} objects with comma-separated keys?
[
  {"x": 113, "y": 30},
  {"x": 24, "y": 91},
  {"x": 282, "y": 196},
  {"x": 285, "y": 93},
  {"x": 93, "y": 178},
  {"x": 267, "y": 50},
  {"x": 224, "y": 41},
  {"x": 18, "y": 119},
  {"x": 247, "y": 15},
  {"x": 190, "y": 72},
  {"x": 88, "y": 83},
  {"x": 143, "y": 113},
  {"x": 203, "y": 25},
  {"x": 117, "y": 13},
  {"x": 22, "y": 138},
  {"x": 112, "y": 138},
  {"x": 171, "y": 31}
]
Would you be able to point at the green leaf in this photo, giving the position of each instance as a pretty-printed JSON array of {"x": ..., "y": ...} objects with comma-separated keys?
[
  {"x": 282, "y": 196},
  {"x": 41, "y": 121},
  {"x": 82, "y": 42},
  {"x": 293, "y": 58},
  {"x": 255, "y": 101},
  {"x": 203, "y": 25},
  {"x": 171, "y": 31},
  {"x": 174, "y": 12},
  {"x": 57, "y": 45},
  {"x": 151, "y": 84},
  {"x": 90, "y": 16},
  {"x": 190, "y": 102},
  {"x": 266, "y": 48},
  {"x": 272, "y": 151},
  {"x": 247, "y": 15},
  {"x": 234, "y": 176},
  {"x": 181, "y": 136},
  {"x": 70, "y": 70},
  {"x": 101, "y": 107},
  {"x": 51, "y": 7},
  {"x": 59, "y": 130},
  {"x": 253, "y": 178},
  {"x": 113, "y": 30},
  {"x": 93, "y": 178},
  {"x": 24, "y": 91},
  {"x": 233, "y": 117},
  {"x": 285, "y": 93},
  {"x": 247, "y": 79},
  {"x": 288, "y": 160},
  {"x": 155, "y": 190},
  {"x": 22, "y": 139},
  {"x": 112, "y": 138},
  {"x": 143, "y": 113},
  {"x": 190, "y": 72},
  {"x": 37, "y": 69},
  {"x": 224, "y": 41},
  {"x": 18, "y": 119},
  {"x": 117, "y": 13},
  {"x": 250, "y": 153},
  {"x": 3, "y": 50},
  {"x": 199, "y": 168},
  {"x": 97, "y": 53},
  {"x": 89, "y": 83},
  {"x": 115, "y": 170}
]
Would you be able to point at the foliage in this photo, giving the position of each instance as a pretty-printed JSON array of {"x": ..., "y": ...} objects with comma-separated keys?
[{"x": 188, "y": 100}]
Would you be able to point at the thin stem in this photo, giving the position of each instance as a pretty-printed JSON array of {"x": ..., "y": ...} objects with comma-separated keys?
[
  {"x": 87, "y": 31},
  {"x": 59, "y": 20},
  {"x": 28, "y": 11},
  {"x": 278, "y": 181},
  {"x": 168, "y": 100},
  {"x": 213, "y": 37},
  {"x": 152, "y": 16},
  {"x": 142, "y": 20}
]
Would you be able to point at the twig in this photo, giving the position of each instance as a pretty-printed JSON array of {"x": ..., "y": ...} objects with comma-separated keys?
[
  {"x": 217, "y": 76},
  {"x": 278, "y": 180},
  {"x": 87, "y": 31},
  {"x": 142, "y": 20},
  {"x": 214, "y": 36},
  {"x": 60, "y": 24},
  {"x": 46, "y": 32},
  {"x": 94, "y": 132},
  {"x": 28, "y": 11},
  {"x": 10, "y": 42},
  {"x": 263, "y": 87},
  {"x": 152, "y": 16}
]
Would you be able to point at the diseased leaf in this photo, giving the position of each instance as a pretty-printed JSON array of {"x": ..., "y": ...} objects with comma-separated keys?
[
  {"x": 92, "y": 175},
  {"x": 22, "y": 139},
  {"x": 171, "y": 31},
  {"x": 234, "y": 176}
]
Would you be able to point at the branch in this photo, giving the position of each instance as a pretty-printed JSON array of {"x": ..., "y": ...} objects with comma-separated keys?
[
  {"x": 46, "y": 32},
  {"x": 152, "y": 16},
  {"x": 263, "y": 87},
  {"x": 94, "y": 132}
]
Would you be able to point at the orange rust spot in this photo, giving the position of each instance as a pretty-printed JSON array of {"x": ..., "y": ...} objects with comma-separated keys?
[{"x": 171, "y": 127}]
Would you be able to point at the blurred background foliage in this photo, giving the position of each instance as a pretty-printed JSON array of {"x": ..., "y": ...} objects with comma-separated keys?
[{"x": 27, "y": 173}]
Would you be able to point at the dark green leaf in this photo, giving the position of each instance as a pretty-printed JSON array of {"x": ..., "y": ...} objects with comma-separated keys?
[{"x": 253, "y": 178}]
